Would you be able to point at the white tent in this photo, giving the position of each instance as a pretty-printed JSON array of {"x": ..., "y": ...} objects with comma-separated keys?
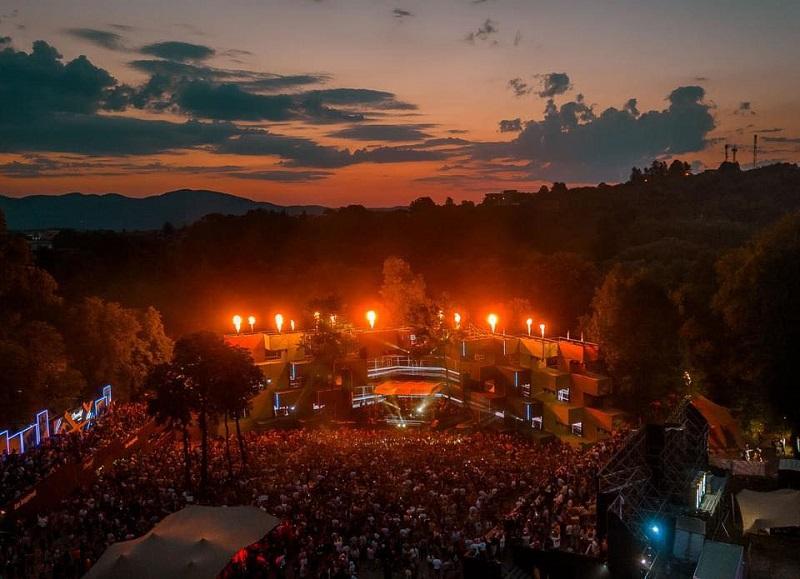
[
  {"x": 779, "y": 508},
  {"x": 196, "y": 542}
]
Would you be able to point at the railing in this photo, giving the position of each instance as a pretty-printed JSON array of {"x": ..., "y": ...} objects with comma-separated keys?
[{"x": 388, "y": 366}]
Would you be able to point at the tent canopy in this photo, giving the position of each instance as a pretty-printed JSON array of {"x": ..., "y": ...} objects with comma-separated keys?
[
  {"x": 724, "y": 432},
  {"x": 719, "y": 561},
  {"x": 196, "y": 542},
  {"x": 407, "y": 388},
  {"x": 779, "y": 508}
]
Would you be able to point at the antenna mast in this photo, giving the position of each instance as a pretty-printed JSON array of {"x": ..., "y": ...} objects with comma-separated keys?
[{"x": 755, "y": 151}]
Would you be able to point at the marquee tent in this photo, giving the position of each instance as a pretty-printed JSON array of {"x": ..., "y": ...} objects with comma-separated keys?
[
  {"x": 196, "y": 542},
  {"x": 779, "y": 508}
]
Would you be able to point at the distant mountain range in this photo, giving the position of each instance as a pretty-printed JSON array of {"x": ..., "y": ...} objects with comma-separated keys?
[{"x": 118, "y": 212}]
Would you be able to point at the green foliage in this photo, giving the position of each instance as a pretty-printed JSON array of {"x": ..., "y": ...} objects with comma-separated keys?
[
  {"x": 54, "y": 352},
  {"x": 404, "y": 295},
  {"x": 636, "y": 325},
  {"x": 206, "y": 378},
  {"x": 113, "y": 344},
  {"x": 757, "y": 298}
]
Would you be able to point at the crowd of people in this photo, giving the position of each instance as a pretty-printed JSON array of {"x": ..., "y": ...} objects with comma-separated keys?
[
  {"x": 352, "y": 503},
  {"x": 20, "y": 472}
]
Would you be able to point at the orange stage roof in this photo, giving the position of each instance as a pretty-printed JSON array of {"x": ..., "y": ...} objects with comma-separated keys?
[
  {"x": 407, "y": 388},
  {"x": 246, "y": 341}
]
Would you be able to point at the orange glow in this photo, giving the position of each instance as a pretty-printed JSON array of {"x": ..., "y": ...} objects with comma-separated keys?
[
  {"x": 457, "y": 320},
  {"x": 252, "y": 321},
  {"x": 279, "y": 322},
  {"x": 529, "y": 323},
  {"x": 541, "y": 327},
  {"x": 371, "y": 317},
  {"x": 492, "y": 319},
  {"x": 237, "y": 322},
  {"x": 291, "y": 324}
]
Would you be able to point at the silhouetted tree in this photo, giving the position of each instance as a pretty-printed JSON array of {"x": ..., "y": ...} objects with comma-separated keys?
[
  {"x": 171, "y": 405},
  {"x": 636, "y": 325},
  {"x": 239, "y": 381},
  {"x": 759, "y": 286}
]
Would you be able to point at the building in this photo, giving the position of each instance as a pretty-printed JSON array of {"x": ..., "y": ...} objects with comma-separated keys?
[
  {"x": 552, "y": 385},
  {"x": 555, "y": 385}
]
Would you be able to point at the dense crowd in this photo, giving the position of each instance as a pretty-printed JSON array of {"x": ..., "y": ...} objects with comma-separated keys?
[
  {"x": 20, "y": 472},
  {"x": 351, "y": 502}
]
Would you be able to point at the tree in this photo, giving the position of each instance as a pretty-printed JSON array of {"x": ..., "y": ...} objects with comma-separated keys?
[
  {"x": 220, "y": 379},
  {"x": 239, "y": 381},
  {"x": 757, "y": 299},
  {"x": 422, "y": 204},
  {"x": 109, "y": 343},
  {"x": 637, "y": 325},
  {"x": 197, "y": 357},
  {"x": 171, "y": 405},
  {"x": 404, "y": 294}
]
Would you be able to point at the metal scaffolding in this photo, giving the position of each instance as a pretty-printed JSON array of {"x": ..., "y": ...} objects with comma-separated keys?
[{"x": 649, "y": 482}]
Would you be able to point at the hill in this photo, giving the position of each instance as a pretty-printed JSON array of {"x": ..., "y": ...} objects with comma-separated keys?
[{"x": 118, "y": 212}]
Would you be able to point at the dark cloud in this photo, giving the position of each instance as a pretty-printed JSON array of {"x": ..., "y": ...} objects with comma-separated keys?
[
  {"x": 283, "y": 176},
  {"x": 177, "y": 72},
  {"x": 178, "y": 51},
  {"x": 484, "y": 32},
  {"x": 302, "y": 152},
  {"x": 229, "y": 102},
  {"x": 744, "y": 109},
  {"x": 231, "y": 94},
  {"x": 41, "y": 83},
  {"x": 554, "y": 84},
  {"x": 519, "y": 86},
  {"x": 35, "y": 166},
  {"x": 109, "y": 135},
  {"x": 404, "y": 133},
  {"x": 782, "y": 139},
  {"x": 101, "y": 38},
  {"x": 5, "y": 41},
  {"x": 52, "y": 105},
  {"x": 123, "y": 27},
  {"x": 235, "y": 53},
  {"x": 359, "y": 96},
  {"x": 511, "y": 125},
  {"x": 443, "y": 142},
  {"x": 400, "y": 13},
  {"x": 574, "y": 143}
]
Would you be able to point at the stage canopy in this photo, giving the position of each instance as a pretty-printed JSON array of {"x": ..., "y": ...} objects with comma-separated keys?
[
  {"x": 779, "y": 508},
  {"x": 196, "y": 542},
  {"x": 407, "y": 388},
  {"x": 723, "y": 430}
]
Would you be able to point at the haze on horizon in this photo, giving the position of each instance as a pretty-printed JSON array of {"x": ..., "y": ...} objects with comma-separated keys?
[{"x": 374, "y": 102}]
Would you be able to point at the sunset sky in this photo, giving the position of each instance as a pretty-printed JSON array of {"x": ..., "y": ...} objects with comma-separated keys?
[{"x": 376, "y": 102}]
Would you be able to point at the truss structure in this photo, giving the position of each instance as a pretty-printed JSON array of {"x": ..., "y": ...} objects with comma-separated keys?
[{"x": 648, "y": 487}]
